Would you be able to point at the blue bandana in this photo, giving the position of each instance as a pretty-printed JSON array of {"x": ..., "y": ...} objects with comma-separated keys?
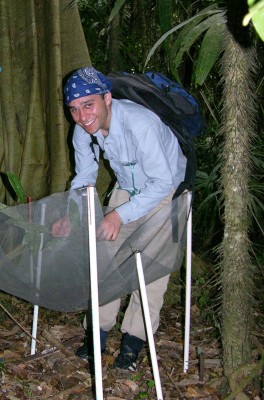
[{"x": 84, "y": 82}]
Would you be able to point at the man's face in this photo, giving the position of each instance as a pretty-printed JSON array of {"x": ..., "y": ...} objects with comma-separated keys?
[{"x": 92, "y": 112}]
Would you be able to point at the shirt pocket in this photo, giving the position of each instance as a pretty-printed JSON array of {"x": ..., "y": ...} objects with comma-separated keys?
[{"x": 126, "y": 172}]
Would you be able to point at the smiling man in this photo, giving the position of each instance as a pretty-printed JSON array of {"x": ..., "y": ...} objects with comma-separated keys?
[{"x": 148, "y": 164}]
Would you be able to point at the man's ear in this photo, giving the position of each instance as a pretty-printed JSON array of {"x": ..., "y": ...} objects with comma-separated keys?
[{"x": 108, "y": 98}]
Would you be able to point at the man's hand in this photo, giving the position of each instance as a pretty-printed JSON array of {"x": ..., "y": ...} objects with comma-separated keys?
[
  {"x": 109, "y": 228},
  {"x": 62, "y": 227}
]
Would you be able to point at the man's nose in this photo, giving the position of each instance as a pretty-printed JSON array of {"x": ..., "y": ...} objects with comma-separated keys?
[{"x": 82, "y": 115}]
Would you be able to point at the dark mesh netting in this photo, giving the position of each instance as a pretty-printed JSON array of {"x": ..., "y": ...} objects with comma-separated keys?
[{"x": 54, "y": 272}]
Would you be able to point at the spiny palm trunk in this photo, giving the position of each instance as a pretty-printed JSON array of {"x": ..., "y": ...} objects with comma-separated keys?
[{"x": 238, "y": 63}]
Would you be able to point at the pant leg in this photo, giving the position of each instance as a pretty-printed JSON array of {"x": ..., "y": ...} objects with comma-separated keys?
[
  {"x": 108, "y": 314},
  {"x": 133, "y": 322}
]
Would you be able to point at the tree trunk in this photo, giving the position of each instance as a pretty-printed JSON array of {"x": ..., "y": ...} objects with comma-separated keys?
[
  {"x": 41, "y": 42},
  {"x": 238, "y": 64},
  {"x": 114, "y": 53}
]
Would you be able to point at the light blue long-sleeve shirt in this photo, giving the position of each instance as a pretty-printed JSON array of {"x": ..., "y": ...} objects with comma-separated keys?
[{"x": 143, "y": 153}]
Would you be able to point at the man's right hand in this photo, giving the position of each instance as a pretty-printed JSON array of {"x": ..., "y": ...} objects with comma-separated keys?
[
  {"x": 62, "y": 227},
  {"x": 109, "y": 227}
]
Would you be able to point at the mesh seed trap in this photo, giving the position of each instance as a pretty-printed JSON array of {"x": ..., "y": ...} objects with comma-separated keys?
[{"x": 54, "y": 272}]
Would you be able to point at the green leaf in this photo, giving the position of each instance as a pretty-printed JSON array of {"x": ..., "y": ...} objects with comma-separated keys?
[
  {"x": 202, "y": 301},
  {"x": 178, "y": 43},
  {"x": 212, "y": 9},
  {"x": 193, "y": 35},
  {"x": 32, "y": 233},
  {"x": 117, "y": 6},
  {"x": 256, "y": 13},
  {"x": 17, "y": 187},
  {"x": 150, "y": 384},
  {"x": 207, "y": 181},
  {"x": 137, "y": 376},
  {"x": 164, "y": 37},
  {"x": 210, "y": 50},
  {"x": 258, "y": 20},
  {"x": 74, "y": 215}
]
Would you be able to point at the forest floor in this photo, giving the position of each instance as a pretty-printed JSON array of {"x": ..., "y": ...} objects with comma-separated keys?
[{"x": 54, "y": 372}]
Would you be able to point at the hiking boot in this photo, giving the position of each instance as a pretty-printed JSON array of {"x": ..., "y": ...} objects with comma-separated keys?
[
  {"x": 85, "y": 351},
  {"x": 129, "y": 350}
]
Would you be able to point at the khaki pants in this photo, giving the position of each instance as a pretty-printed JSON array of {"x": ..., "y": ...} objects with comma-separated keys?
[{"x": 133, "y": 322}]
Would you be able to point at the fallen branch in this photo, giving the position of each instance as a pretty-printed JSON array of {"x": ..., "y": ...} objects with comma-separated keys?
[
  {"x": 37, "y": 356},
  {"x": 208, "y": 362},
  {"x": 173, "y": 382},
  {"x": 48, "y": 352},
  {"x": 56, "y": 343},
  {"x": 61, "y": 347},
  {"x": 16, "y": 322}
]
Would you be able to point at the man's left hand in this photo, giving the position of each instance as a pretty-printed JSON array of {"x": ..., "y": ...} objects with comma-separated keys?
[{"x": 109, "y": 228}]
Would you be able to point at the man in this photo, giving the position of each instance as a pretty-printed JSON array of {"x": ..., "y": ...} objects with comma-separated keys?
[{"x": 148, "y": 164}]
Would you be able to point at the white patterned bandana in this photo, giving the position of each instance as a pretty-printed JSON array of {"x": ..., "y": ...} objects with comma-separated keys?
[{"x": 84, "y": 82}]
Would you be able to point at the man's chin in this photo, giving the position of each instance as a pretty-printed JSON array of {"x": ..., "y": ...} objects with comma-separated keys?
[{"x": 90, "y": 131}]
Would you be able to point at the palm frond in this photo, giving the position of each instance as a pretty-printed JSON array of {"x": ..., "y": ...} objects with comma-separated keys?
[
  {"x": 191, "y": 35},
  {"x": 210, "y": 50},
  {"x": 212, "y": 9},
  {"x": 117, "y": 6}
]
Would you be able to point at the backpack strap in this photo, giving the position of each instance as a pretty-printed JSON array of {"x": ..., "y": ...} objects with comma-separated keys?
[
  {"x": 190, "y": 172},
  {"x": 93, "y": 142}
]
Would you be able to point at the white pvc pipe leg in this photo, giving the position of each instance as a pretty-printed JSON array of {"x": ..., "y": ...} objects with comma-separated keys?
[
  {"x": 38, "y": 276},
  {"x": 34, "y": 330},
  {"x": 151, "y": 343},
  {"x": 94, "y": 293},
  {"x": 188, "y": 283}
]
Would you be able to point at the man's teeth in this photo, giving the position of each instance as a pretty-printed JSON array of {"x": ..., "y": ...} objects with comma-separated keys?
[{"x": 89, "y": 123}]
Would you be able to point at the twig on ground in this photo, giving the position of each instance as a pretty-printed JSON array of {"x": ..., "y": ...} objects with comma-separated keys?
[
  {"x": 16, "y": 322},
  {"x": 176, "y": 387},
  {"x": 62, "y": 348},
  {"x": 37, "y": 356}
]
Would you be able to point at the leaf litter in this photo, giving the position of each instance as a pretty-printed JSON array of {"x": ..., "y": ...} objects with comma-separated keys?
[{"x": 54, "y": 372}]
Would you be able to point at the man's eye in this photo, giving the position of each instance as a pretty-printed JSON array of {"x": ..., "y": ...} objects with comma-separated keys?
[{"x": 88, "y": 105}]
